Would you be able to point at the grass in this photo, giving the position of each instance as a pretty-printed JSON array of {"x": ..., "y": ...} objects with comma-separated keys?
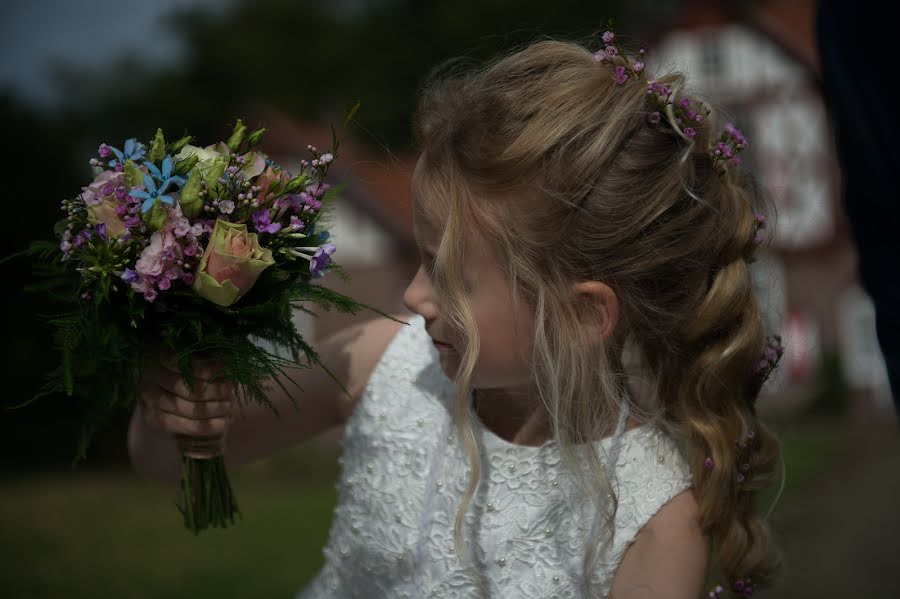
[{"x": 108, "y": 534}]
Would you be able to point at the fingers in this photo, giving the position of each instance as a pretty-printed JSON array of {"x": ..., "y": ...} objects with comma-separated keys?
[
  {"x": 195, "y": 410},
  {"x": 171, "y": 423},
  {"x": 168, "y": 405},
  {"x": 178, "y": 416}
]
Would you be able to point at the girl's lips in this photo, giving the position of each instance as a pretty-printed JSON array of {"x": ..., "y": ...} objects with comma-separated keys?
[{"x": 441, "y": 344}]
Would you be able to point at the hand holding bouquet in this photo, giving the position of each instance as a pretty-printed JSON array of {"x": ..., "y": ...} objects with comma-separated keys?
[{"x": 193, "y": 252}]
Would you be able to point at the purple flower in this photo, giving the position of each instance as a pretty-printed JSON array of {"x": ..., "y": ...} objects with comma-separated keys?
[
  {"x": 129, "y": 276},
  {"x": 188, "y": 278},
  {"x": 296, "y": 223},
  {"x": 100, "y": 230},
  {"x": 637, "y": 67},
  {"x": 689, "y": 132},
  {"x": 708, "y": 463},
  {"x": 226, "y": 206},
  {"x": 655, "y": 117},
  {"x": 104, "y": 150},
  {"x": 150, "y": 295},
  {"x": 164, "y": 284},
  {"x": 621, "y": 77},
  {"x": 262, "y": 222},
  {"x": 320, "y": 260},
  {"x": 685, "y": 103},
  {"x": 182, "y": 227},
  {"x": 611, "y": 51},
  {"x": 608, "y": 37}
]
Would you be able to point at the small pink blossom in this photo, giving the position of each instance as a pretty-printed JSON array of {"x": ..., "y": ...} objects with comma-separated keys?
[{"x": 608, "y": 37}]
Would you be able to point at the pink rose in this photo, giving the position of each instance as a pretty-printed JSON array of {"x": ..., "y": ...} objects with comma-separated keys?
[{"x": 231, "y": 264}]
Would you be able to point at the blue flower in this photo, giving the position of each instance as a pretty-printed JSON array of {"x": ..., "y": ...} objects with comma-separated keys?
[
  {"x": 165, "y": 175},
  {"x": 134, "y": 150},
  {"x": 151, "y": 194}
]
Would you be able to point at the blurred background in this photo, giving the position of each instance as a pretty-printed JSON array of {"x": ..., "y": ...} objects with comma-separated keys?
[{"x": 74, "y": 74}]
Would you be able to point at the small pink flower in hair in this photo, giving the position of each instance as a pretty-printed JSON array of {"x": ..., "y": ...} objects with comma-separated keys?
[
  {"x": 637, "y": 67},
  {"x": 708, "y": 463},
  {"x": 655, "y": 117},
  {"x": 621, "y": 77},
  {"x": 608, "y": 37},
  {"x": 689, "y": 132},
  {"x": 599, "y": 56},
  {"x": 611, "y": 51},
  {"x": 685, "y": 103}
]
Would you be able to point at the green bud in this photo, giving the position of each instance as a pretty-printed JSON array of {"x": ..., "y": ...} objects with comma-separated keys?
[
  {"x": 133, "y": 175},
  {"x": 256, "y": 137},
  {"x": 237, "y": 136},
  {"x": 190, "y": 201},
  {"x": 156, "y": 217},
  {"x": 296, "y": 183},
  {"x": 157, "y": 148},
  {"x": 183, "y": 167},
  {"x": 215, "y": 171},
  {"x": 178, "y": 145}
]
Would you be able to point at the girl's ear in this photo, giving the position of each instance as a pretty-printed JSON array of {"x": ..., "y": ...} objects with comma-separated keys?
[{"x": 604, "y": 308}]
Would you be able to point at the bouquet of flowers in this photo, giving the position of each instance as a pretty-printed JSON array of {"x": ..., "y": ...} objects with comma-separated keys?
[{"x": 196, "y": 251}]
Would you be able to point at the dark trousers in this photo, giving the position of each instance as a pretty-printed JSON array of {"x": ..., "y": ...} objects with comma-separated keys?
[{"x": 857, "y": 43}]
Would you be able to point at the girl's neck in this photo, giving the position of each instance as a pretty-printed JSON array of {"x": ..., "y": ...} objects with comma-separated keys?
[
  {"x": 512, "y": 419},
  {"x": 518, "y": 422}
]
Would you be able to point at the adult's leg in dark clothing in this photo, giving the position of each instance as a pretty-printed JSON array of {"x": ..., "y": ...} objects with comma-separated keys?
[{"x": 856, "y": 40}]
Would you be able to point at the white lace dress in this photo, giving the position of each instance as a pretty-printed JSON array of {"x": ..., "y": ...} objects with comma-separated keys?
[{"x": 527, "y": 525}]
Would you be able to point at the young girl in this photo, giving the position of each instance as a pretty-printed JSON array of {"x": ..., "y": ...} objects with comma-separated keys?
[{"x": 569, "y": 412}]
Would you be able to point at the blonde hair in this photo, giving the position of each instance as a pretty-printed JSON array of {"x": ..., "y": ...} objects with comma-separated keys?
[{"x": 558, "y": 168}]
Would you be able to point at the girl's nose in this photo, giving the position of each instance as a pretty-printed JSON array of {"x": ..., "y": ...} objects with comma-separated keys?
[{"x": 419, "y": 296}]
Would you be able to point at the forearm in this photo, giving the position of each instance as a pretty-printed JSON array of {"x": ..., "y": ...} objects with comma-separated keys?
[{"x": 257, "y": 432}]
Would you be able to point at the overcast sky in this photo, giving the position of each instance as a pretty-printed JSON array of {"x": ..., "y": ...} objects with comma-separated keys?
[{"x": 88, "y": 33}]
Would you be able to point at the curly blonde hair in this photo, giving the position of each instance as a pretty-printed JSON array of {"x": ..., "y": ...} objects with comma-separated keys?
[{"x": 542, "y": 154}]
